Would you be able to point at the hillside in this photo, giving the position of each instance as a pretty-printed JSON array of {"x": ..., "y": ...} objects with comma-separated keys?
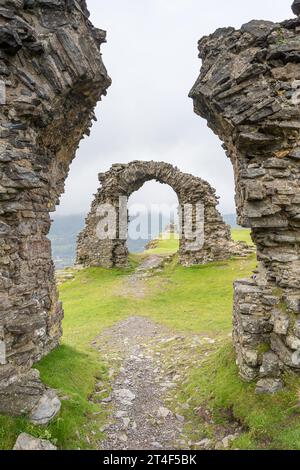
[{"x": 190, "y": 309}]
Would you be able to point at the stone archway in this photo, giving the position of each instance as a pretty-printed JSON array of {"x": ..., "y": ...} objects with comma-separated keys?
[
  {"x": 248, "y": 91},
  {"x": 123, "y": 180},
  {"x": 51, "y": 77}
]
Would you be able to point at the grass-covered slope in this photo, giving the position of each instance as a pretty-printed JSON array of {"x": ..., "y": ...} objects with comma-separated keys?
[
  {"x": 268, "y": 421},
  {"x": 167, "y": 243},
  {"x": 188, "y": 300},
  {"x": 242, "y": 235}
]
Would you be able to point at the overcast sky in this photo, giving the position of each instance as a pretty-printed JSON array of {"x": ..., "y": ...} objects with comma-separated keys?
[{"x": 151, "y": 56}]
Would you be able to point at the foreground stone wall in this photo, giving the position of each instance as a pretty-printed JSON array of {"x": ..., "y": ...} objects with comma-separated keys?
[
  {"x": 247, "y": 91},
  {"x": 123, "y": 180},
  {"x": 52, "y": 74}
]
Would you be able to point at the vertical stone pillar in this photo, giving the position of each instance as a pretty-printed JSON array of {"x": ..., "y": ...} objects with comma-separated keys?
[
  {"x": 248, "y": 90},
  {"x": 53, "y": 76}
]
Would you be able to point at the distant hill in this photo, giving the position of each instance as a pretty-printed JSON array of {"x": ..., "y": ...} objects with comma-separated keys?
[
  {"x": 63, "y": 236},
  {"x": 65, "y": 229},
  {"x": 64, "y": 232}
]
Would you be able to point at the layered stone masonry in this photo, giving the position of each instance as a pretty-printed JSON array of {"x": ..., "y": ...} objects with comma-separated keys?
[
  {"x": 249, "y": 92},
  {"x": 51, "y": 76},
  {"x": 123, "y": 180}
]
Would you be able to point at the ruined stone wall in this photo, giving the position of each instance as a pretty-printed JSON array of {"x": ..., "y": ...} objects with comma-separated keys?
[
  {"x": 247, "y": 91},
  {"x": 53, "y": 76},
  {"x": 123, "y": 180}
]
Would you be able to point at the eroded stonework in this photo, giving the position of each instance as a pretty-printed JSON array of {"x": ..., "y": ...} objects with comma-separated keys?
[
  {"x": 123, "y": 180},
  {"x": 51, "y": 77},
  {"x": 249, "y": 92}
]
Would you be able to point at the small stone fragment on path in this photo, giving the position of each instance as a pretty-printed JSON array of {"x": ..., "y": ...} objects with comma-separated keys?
[
  {"x": 27, "y": 442},
  {"x": 47, "y": 408}
]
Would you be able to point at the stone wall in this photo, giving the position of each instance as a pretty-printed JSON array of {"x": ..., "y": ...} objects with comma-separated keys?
[
  {"x": 52, "y": 74},
  {"x": 123, "y": 180},
  {"x": 247, "y": 91}
]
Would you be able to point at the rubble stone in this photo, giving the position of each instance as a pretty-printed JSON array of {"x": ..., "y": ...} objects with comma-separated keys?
[
  {"x": 46, "y": 409},
  {"x": 269, "y": 386},
  {"x": 27, "y": 442}
]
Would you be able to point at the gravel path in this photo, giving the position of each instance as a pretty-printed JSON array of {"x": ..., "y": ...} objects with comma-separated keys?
[
  {"x": 147, "y": 365},
  {"x": 140, "y": 418}
]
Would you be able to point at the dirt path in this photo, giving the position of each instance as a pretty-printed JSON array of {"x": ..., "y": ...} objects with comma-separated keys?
[
  {"x": 140, "y": 417},
  {"x": 135, "y": 285},
  {"x": 147, "y": 366}
]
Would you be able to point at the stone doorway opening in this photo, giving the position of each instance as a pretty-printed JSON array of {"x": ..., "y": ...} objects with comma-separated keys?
[
  {"x": 203, "y": 235},
  {"x": 153, "y": 219}
]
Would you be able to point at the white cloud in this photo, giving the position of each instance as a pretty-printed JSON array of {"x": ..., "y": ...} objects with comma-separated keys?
[{"x": 151, "y": 55}]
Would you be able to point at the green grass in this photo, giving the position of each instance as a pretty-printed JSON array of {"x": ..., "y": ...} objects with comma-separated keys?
[
  {"x": 167, "y": 244},
  {"x": 170, "y": 244},
  {"x": 191, "y": 300},
  {"x": 90, "y": 305},
  {"x": 196, "y": 299},
  {"x": 242, "y": 235},
  {"x": 269, "y": 421}
]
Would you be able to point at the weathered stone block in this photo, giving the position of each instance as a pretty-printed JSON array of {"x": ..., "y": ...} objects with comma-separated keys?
[
  {"x": 296, "y": 328},
  {"x": 254, "y": 191},
  {"x": 293, "y": 303},
  {"x": 288, "y": 358},
  {"x": 293, "y": 342},
  {"x": 270, "y": 365},
  {"x": 46, "y": 409},
  {"x": 247, "y": 373},
  {"x": 250, "y": 357},
  {"x": 27, "y": 442},
  {"x": 255, "y": 325},
  {"x": 269, "y": 386},
  {"x": 281, "y": 322}
]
